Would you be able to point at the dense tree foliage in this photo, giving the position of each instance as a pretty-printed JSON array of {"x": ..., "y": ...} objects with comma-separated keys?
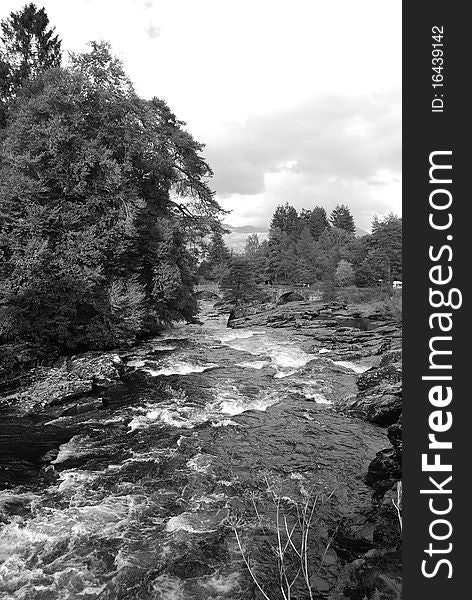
[{"x": 100, "y": 192}]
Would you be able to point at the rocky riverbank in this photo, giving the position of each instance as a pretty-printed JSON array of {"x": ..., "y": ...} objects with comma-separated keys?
[{"x": 347, "y": 333}]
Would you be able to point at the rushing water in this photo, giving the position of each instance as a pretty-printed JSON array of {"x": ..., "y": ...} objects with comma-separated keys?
[{"x": 213, "y": 429}]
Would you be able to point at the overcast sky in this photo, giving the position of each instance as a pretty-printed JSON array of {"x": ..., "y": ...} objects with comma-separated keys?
[{"x": 297, "y": 101}]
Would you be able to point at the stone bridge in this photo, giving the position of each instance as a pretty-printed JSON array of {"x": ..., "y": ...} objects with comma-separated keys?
[{"x": 274, "y": 291}]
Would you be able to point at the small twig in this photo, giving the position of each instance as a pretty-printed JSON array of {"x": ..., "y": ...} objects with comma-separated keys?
[{"x": 248, "y": 566}]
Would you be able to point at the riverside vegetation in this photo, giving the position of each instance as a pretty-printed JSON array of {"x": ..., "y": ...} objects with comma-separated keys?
[{"x": 148, "y": 455}]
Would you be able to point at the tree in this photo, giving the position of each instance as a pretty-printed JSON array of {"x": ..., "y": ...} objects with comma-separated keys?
[
  {"x": 316, "y": 220},
  {"x": 252, "y": 245},
  {"x": 29, "y": 47},
  {"x": 331, "y": 244},
  {"x": 282, "y": 259},
  {"x": 385, "y": 248},
  {"x": 309, "y": 267},
  {"x": 285, "y": 218},
  {"x": 215, "y": 264},
  {"x": 344, "y": 274},
  {"x": 342, "y": 219},
  {"x": 99, "y": 192},
  {"x": 239, "y": 285}
]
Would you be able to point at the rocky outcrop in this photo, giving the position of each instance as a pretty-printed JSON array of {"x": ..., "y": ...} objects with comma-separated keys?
[
  {"x": 71, "y": 380},
  {"x": 379, "y": 401}
]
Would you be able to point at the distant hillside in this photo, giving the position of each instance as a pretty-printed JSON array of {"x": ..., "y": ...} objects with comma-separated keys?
[
  {"x": 246, "y": 229},
  {"x": 236, "y": 240}
]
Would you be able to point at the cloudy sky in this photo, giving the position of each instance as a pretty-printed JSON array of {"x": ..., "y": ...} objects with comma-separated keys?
[{"x": 297, "y": 101}]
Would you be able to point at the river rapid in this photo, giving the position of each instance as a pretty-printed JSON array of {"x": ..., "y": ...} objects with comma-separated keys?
[{"x": 159, "y": 487}]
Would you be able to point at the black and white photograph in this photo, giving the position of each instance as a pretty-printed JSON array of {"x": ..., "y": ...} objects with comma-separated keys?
[{"x": 201, "y": 282}]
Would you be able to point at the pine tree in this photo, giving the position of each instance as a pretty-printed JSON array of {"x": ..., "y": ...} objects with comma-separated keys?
[
  {"x": 239, "y": 285},
  {"x": 29, "y": 47},
  {"x": 318, "y": 222},
  {"x": 306, "y": 257},
  {"x": 342, "y": 219},
  {"x": 285, "y": 218}
]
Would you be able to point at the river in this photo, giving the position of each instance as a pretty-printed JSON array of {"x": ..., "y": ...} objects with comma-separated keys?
[{"x": 208, "y": 454}]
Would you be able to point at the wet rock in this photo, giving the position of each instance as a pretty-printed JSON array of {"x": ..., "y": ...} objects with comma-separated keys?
[
  {"x": 387, "y": 532},
  {"x": 320, "y": 584},
  {"x": 381, "y": 405},
  {"x": 83, "y": 407},
  {"x": 103, "y": 370},
  {"x": 384, "y": 471},
  {"x": 49, "y": 456},
  {"x": 395, "y": 434},
  {"x": 395, "y": 356},
  {"x": 390, "y": 373},
  {"x": 384, "y": 410}
]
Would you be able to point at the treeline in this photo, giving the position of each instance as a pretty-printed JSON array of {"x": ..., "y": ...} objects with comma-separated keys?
[
  {"x": 104, "y": 198},
  {"x": 309, "y": 247}
]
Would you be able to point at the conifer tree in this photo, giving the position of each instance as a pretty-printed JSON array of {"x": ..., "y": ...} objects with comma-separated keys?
[
  {"x": 342, "y": 219},
  {"x": 239, "y": 285},
  {"x": 28, "y": 48},
  {"x": 285, "y": 218}
]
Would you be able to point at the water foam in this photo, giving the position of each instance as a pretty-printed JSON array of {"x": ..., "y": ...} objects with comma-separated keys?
[
  {"x": 318, "y": 398},
  {"x": 233, "y": 403},
  {"x": 347, "y": 364},
  {"x": 78, "y": 445},
  {"x": 179, "y": 368},
  {"x": 197, "y": 522},
  {"x": 222, "y": 584},
  {"x": 257, "y": 364}
]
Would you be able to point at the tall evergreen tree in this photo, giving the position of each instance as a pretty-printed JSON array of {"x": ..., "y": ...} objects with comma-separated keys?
[
  {"x": 215, "y": 264},
  {"x": 318, "y": 222},
  {"x": 342, "y": 219},
  {"x": 307, "y": 262},
  {"x": 28, "y": 48},
  {"x": 239, "y": 285},
  {"x": 285, "y": 218}
]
